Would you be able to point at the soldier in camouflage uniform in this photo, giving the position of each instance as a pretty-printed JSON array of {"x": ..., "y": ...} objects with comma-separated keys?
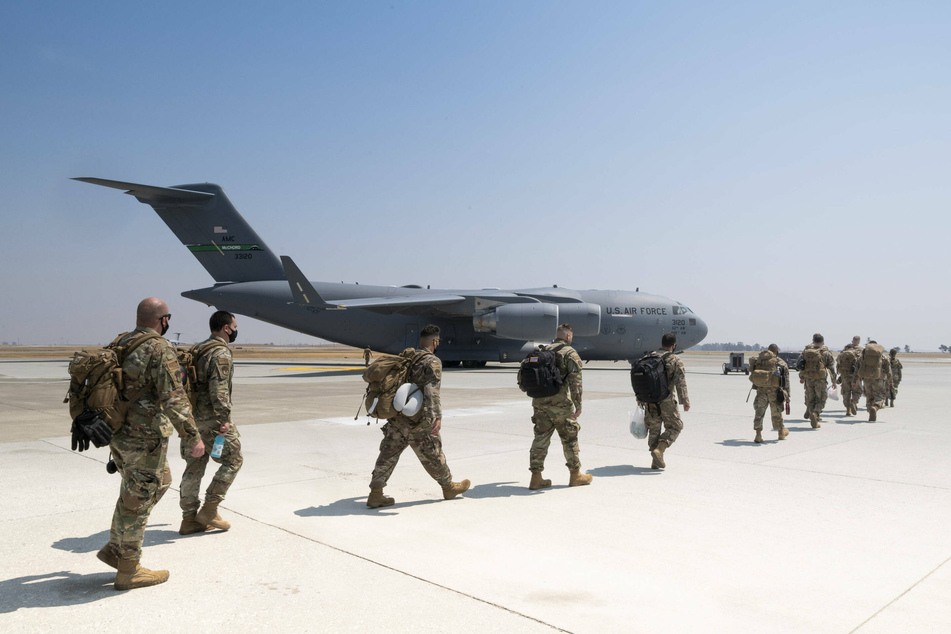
[
  {"x": 559, "y": 413},
  {"x": 214, "y": 368},
  {"x": 876, "y": 390},
  {"x": 896, "y": 375},
  {"x": 366, "y": 357},
  {"x": 815, "y": 380},
  {"x": 666, "y": 412},
  {"x": 772, "y": 397},
  {"x": 858, "y": 387},
  {"x": 422, "y": 436},
  {"x": 845, "y": 367},
  {"x": 157, "y": 404}
]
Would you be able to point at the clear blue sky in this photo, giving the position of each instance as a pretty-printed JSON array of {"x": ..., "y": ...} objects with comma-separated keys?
[{"x": 781, "y": 168}]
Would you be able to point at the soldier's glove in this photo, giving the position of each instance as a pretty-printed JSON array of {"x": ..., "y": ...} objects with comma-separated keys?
[{"x": 87, "y": 426}]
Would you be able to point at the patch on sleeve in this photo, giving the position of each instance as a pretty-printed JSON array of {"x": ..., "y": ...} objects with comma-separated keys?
[{"x": 224, "y": 366}]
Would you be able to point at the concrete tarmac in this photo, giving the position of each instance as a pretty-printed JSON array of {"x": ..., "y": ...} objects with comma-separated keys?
[{"x": 838, "y": 529}]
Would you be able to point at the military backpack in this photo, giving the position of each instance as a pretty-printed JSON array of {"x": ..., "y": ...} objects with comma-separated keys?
[
  {"x": 844, "y": 362},
  {"x": 539, "y": 375},
  {"x": 870, "y": 363},
  {"x": 96, "y": 382},
  {"x": 649, "y": 378},
  {"x": 812, "y": 364},
  {"x": 188, "y": 361},
  {"x": 384, "y": 377},
  {"x": 766, "y": 372}
]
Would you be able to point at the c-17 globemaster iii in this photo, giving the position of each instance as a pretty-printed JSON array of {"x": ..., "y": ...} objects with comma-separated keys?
[{"x": 477, "y": 325}]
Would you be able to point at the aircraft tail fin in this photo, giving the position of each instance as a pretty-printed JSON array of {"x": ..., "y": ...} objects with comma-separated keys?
[{"x": 206, "y": 222}]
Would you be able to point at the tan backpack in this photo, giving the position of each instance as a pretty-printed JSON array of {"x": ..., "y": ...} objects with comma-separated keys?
[
  {"x": 812, "y": 358},
  {"x": 844, "y": 362},
  {"x": 870, "y": 363},
  {"x": 384, "y": 376},
  {"x": 188, "y": 361},
  {"x": 96, "y": 381},
  {"x": 766, "y": 372}
]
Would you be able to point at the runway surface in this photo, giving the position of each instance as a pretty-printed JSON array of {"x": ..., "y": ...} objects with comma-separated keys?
[{"x": 839, "y": 529}]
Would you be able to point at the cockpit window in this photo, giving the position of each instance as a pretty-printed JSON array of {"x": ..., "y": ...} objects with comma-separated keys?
[{"x": 680, "y": 309}]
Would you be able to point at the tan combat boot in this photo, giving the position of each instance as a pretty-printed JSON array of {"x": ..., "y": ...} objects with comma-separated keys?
[
  {"x": 872, "y": 413},
  {"x": 577, "y": 479},
  {"x": 208, "y": 515},
  {"x": 191, "y": 525},
  {"x": 658, "y": 455},
  {"x": 814, "y": 420},
  {"x": 131, "y": 575},
  {"x": 455, "y": 489},
  {"x": 759, "y": 436},
  {"x": 783, "y": 433},
  {"x": 376, "y": 499},
  {"x": 537, "y": 481},
  {"x": 106, "y": 556}
]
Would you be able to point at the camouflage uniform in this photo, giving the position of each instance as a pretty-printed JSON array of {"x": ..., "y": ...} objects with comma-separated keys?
[
  {"x": 896, "y": 377},
  {"x": 666, "y": 412},
  {"x": 772, "y": 397},
  {"x": 212, "y": 409},
  {"x": 557, "y": 413},
  {"x": 140, "y": 447},
  {"x": 400, "y": 431},
  {"x": 876, "y": 390},
  {"x": 855, "y": 382},
  {"x": 845, "y": 366},
  {"x": 817, "y": 390}
]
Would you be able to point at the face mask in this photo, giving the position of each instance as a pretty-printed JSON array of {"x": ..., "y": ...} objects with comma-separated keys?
[{"x": 233, "y": 336}]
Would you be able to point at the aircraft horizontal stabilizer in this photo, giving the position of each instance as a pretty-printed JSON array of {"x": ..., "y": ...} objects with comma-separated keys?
[{"x": 151, "y": 192}]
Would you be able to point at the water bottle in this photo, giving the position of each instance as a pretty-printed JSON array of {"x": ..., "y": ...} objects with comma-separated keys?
[{"x": 218, "y": 447}]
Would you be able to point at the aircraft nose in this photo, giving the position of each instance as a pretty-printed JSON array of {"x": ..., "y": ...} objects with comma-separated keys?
[{"x": 700, "y": 330}]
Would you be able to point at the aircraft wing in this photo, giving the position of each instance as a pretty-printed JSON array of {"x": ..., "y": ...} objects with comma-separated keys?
[{"x": 305, "y": 294}]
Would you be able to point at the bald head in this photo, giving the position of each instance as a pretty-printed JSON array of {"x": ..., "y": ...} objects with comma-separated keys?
[{"x": 150, "y": 312}]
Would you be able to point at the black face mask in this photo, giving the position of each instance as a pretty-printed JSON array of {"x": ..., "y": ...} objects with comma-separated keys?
[{"x": 233, "y": 336}]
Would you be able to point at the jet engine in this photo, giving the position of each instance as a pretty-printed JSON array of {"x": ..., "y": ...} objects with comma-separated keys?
[
  {"x": 527, "y": 322},
  {"x": 585, "y": 319},
  {"x": 538, "y": 322}
]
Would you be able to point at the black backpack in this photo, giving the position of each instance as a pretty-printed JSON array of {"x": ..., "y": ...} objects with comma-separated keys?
[
  {"x": 539, "y": 375},
  {"x": 649, "y": 378}
]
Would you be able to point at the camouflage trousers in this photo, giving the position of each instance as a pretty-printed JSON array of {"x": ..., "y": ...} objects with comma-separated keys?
[
  {"x": 893, "y": 391},
  {"x": 768, "y": 397},
  {"x": 230, "y": 461},
  {"x": 397, "y": 434},
  {"x": 665, "y": 413},
  {"x": 548, "y": 419},
  {"x": 851, "y": 393},
  {"x": 876, "y": 390},
  {"x": 143, "y": 465},
  {"x": 817, "y": 391}
]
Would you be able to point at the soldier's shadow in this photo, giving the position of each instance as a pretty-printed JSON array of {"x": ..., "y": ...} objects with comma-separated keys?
[
  {"x": 55, "y": 589},
  {"x": 357, "y": 506},
  {"x": 94, "y": 542},
  {"x": 620, "y": 470}
]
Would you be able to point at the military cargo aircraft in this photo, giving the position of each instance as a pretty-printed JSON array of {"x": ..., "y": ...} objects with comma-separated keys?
[{"x": 477, "y": 326}]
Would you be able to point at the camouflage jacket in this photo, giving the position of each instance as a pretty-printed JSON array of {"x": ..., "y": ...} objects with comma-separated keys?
[
  {"x": 152, "y": 375},
  {"x": 896, "y": 370},
  {"x": 886, "y": 369},
  {"x": 676, "y": 375},
  {"x": 569, "y": 364},
  {"x": 428, "y": 373},
  {"x": 213, "y": 394}
]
